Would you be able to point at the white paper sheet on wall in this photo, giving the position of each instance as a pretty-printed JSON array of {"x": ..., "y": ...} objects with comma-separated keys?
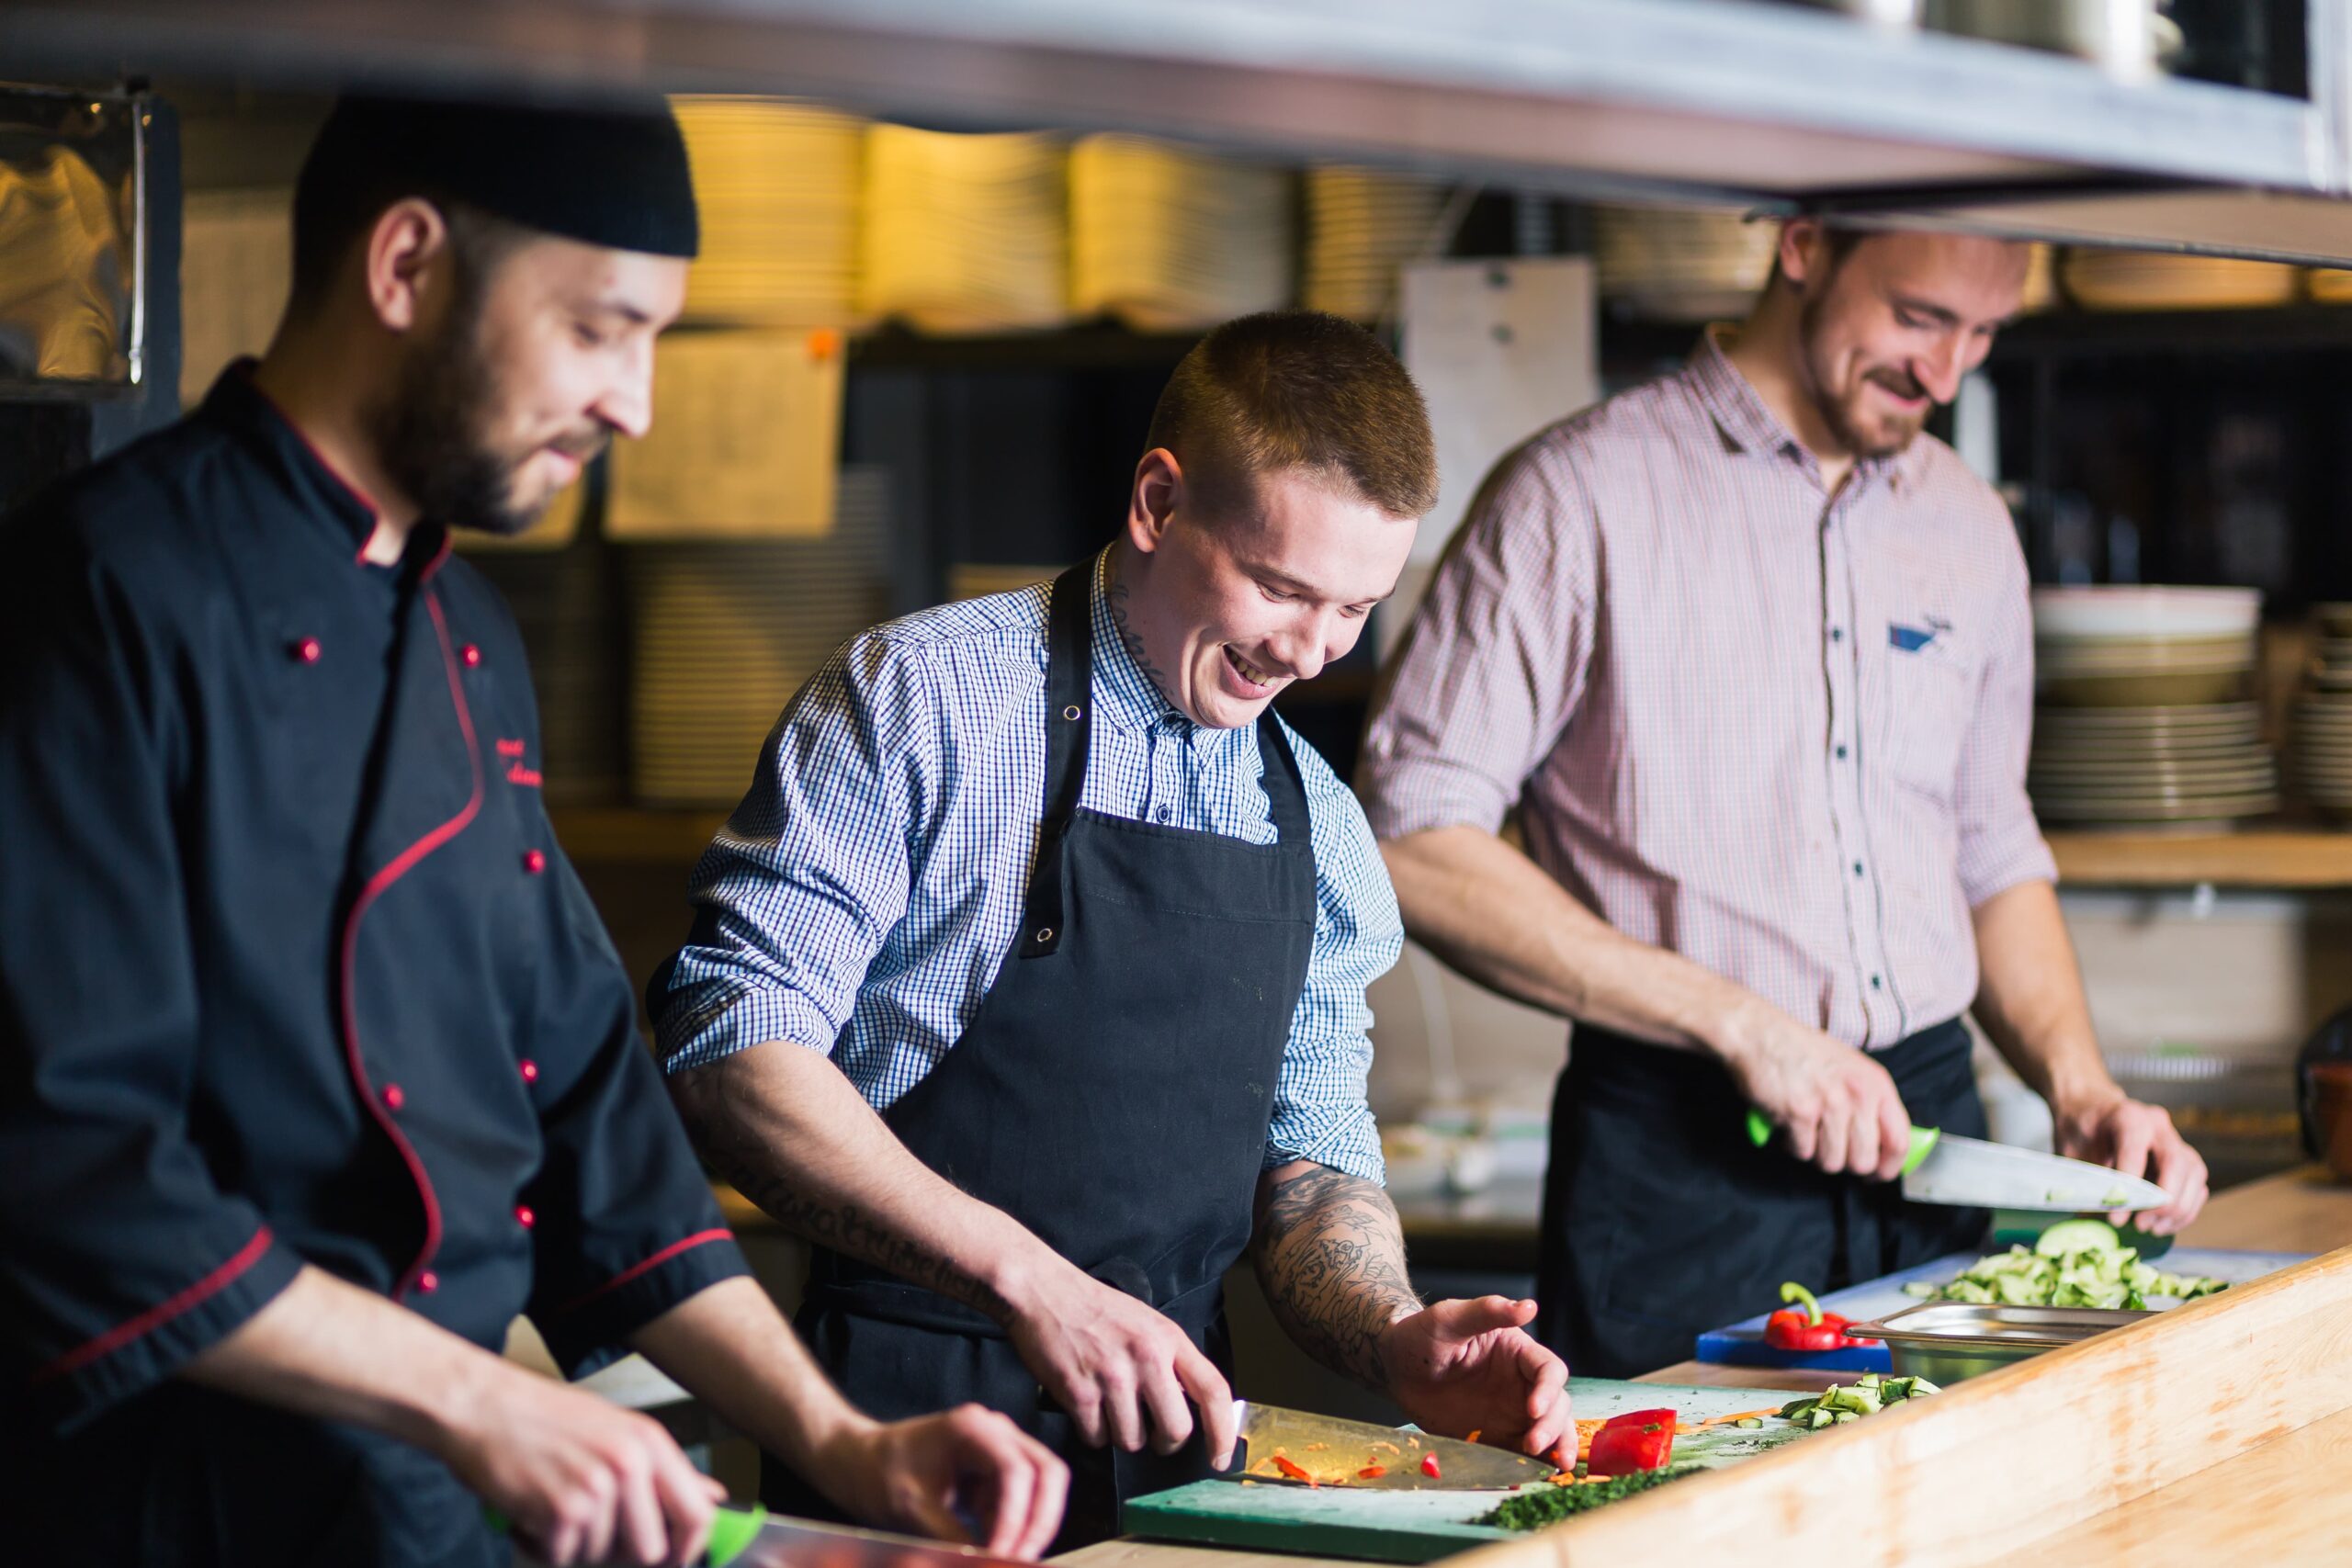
[
  {"x": 1501, "y": 349},
  {"x": 745, "y": 440}
]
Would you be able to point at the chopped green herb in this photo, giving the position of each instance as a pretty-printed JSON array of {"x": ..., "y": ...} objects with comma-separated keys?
[{"x": 1534, "y": 1510}]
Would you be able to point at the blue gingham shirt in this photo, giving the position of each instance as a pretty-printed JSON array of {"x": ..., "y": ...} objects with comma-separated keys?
[{"x": 872, "y": 879}]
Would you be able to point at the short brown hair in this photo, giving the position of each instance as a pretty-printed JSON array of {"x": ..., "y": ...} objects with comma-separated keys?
[{"x": 1298, "y": 390}]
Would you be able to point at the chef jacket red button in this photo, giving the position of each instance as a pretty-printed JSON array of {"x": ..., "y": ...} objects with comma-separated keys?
[
  {"x": 393, "y": 1097},
  {"x": 470, "y": 654},
  {"x": 530, "y": 1071},
  {"x": 307, "y": 649},
  {"x": 523, "y": 1217},
  {"x": 428, "y": 1282},
  {"x": 535, "y": 861}
]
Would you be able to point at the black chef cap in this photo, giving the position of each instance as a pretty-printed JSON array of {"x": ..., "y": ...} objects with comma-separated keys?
[{"x": 613, "y": 176}]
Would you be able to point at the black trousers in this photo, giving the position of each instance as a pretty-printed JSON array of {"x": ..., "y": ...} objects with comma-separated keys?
[{"x": 1661, "y": 1220}]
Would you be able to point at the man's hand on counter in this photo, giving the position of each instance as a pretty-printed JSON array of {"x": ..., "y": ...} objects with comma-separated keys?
[
  {"x": 924, "y": 1475},
  {"x": 1122, "y": 1368},
  {"x": 1461, "y": 1367},
  {"x": 2137, "y": 1139},
  {"x": 1838, "y": 1107}
]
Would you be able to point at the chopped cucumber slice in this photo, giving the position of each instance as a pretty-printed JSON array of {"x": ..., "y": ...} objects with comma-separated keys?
[{"x": 2070, "y": 1236}]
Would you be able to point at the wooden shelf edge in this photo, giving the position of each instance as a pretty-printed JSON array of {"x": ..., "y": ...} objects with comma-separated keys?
[{"x": 2282, "y": 857}]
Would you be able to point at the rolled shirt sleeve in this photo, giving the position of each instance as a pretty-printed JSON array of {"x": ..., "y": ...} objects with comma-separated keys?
[
  {"x": 120, "y": 1259},
  {"x": 798, "y": 893},
  {"x": 1494, "y": 663},
  {"x": 1320, "y": 1111},
  {"x": 2000, "y": 842}
]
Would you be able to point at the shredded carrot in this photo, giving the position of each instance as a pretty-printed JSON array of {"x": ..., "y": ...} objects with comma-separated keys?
[
  {"x": 1739, "y": 1415},
  {"x": 1296, "y": 1471},
  {"x": 1373, "y": 1471},
  {"x": 1475, "y": 1433}
]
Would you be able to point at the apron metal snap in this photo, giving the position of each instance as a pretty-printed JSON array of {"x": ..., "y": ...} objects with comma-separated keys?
[
  {"x": 1045, "y": 933},
  {"x": 1073, "y": 713}
]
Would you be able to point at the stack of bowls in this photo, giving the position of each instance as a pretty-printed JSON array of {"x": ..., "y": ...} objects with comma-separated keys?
[
  {"x": 2323, "y": 716},
  {"x": 2144, "y": 717}
]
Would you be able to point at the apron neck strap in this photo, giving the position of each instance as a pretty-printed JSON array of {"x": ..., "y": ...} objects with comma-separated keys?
[
  {"x": 1285, "y": 790},
  {"x": 1069, "y": 723}
]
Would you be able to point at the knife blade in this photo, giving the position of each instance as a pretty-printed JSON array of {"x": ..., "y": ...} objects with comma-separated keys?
[
  {"x": 1337, "y": 1453},
  {"x": 1980, "y": 1174},
  {"x": 796, "y": 1543},
  {"x": 1946, "y": 1168}
]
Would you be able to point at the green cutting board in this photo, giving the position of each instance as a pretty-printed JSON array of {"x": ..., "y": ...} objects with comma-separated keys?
[{"x": 1421, "y": 1527}]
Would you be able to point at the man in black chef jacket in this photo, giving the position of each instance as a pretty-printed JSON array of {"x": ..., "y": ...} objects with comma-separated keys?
[{"x": 316, "y": 1067}]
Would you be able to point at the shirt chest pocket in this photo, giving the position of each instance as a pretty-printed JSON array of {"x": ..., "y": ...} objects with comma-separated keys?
[{"x": 1930, "y": 701}]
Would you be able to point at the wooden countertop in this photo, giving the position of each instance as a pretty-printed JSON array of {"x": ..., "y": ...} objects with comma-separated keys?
[{"x": 2282, "y": 1500}]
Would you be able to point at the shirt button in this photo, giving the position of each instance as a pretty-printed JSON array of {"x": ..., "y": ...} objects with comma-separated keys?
[
  {"x": 393, "y": 1097},
  {"x": 308, "y": 649},
  {"x": 1841, "y": 753},
  {"x": 1167, "y": 812},
  {"x": 1836, "y": 633},
  {"x": 523, "y": 1217},
  {"x": 529, "y": 1069},
  {"x": 535, "y": 861},
  {"x": 1875, "y": 984},
  {"x": 470, "y": 654},
  {"x": 428, "y": 1282},
  {"x": 1858, "y": 868}
]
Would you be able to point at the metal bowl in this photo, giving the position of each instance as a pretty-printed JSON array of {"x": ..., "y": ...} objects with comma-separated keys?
[{"x": 1946, "y": 1342}]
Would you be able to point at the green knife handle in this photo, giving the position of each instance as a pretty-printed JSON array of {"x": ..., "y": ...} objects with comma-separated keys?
[
  {"x": 732, "y": 1531},
  {"x": 1923, "y": 1139}
]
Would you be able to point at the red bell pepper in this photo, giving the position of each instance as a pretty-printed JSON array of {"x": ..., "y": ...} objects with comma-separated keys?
[
  {"x": 1807, "y": 1327},
  {"x": 1637, "y": 1441}
]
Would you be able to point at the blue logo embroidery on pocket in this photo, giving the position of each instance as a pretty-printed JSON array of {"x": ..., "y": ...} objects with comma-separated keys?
[{"x": 1910, "y": 640}]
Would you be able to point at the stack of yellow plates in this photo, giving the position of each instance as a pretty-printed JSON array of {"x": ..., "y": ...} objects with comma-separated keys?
[
  {"x": 1167, "y": 239},
  {"x": 1683, "y": 265},
  {"x": 777, "y": 185},
  {"x": 2142, "y": 280},
  {"x": 2040, "y": 279},
  {"x": 2330, "y": 286},
  {"x": 2141, "y": 717},
  {"x": 964, "y": 233},
  {"x": 1362, "y": 226},
  {"x": 725, "y": 633}
]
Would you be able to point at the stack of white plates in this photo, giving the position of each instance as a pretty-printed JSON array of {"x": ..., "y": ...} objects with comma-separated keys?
[
  {"x": 1362, "y": 226},
  {"x": 964, "y": 233},
  {"x": 777, "y": 185},
  {"x": 1683, "y": 265},
  {"x": 2323, "y": 716},
  {"x": 1169, "y": 238},
  {"x": 2141, "y": 717},
  {"x": 725, "y": 633},
  {"x": 2141, "y": 280}
]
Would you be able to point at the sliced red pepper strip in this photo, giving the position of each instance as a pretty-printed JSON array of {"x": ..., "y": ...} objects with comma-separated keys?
[
  {"x": 1375, "y": 1472},
  {"x": 1429, "y": 1467},
  {"x": 1296, "y": 1472},
  {"x": 1660, "y": 1416},
  {"x": 1629, "y": 1449}
]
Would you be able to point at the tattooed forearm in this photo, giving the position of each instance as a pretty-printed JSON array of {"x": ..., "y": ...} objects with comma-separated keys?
[
  {"x": 1330, "y": 1258},
  {"x": 734, "y": 1134}
]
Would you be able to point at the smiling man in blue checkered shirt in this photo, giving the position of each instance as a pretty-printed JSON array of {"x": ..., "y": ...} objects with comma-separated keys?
[{"x": 1028, "y": 980}]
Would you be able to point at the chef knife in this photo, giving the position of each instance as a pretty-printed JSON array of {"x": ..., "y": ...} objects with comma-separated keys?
[
  {"x": 1335, "y": 1453},
  {"x": 1945, "y": 1167}
]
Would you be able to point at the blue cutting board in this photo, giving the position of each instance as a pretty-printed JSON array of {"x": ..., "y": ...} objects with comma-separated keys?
[
  {"x": 1742, "y": 1344},
  {"x": 1421, "y": 1527}
]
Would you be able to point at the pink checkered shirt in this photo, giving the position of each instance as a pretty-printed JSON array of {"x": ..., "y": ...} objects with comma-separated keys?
[{"x": 1782, "y": 735}]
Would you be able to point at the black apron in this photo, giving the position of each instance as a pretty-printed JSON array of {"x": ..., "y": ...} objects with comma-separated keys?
[
  {"x": 1661, "y": 1220},
  {"x": 1112, "y": 1094}
]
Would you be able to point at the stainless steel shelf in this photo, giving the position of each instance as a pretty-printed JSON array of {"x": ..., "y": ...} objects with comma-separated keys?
[{"x": 1742, "y": 101}]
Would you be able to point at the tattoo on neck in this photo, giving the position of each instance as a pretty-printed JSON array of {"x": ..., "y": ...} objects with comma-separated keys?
[
  {"x": 1330, "y": 1258},
  {"x": 1116, "y": 599}
]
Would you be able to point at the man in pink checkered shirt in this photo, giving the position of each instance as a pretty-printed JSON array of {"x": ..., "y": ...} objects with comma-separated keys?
[{"x": 1753, "y": 658}]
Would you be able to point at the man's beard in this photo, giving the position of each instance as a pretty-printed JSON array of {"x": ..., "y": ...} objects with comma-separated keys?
[
  {"x": 427, "y": 434},
  {"x": 1891, "y": 435}
]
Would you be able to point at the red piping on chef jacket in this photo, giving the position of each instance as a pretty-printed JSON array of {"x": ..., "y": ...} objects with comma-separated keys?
[
  {"x": 123, "y": 1333},
  {"x": 375, "y": 511},
  {"x": 700, "y": 1238},
  {"x": 402, "y": 864}
]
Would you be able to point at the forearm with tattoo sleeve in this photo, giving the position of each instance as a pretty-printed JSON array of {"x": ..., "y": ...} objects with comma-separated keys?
[
  {"x": 781, "y": 1123},
  {"x": 1331, "y": 1257}
]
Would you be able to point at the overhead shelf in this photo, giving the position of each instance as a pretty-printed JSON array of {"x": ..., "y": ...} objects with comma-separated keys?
[
  {"x": 1740, "y": 101},
  {"x": 2284, "y": 857}
]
